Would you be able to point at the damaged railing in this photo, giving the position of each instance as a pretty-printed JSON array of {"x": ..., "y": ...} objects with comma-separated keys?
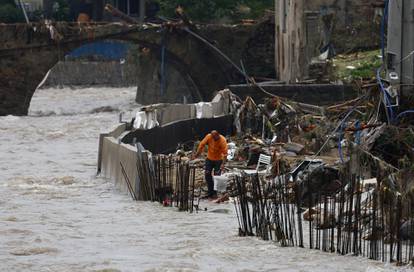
[{"x": 355, "y": 216}]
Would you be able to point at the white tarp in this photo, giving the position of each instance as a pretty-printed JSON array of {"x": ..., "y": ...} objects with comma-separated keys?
[
  {"x": 146, "y": 120},
  {"x": 204, "y": 110}
]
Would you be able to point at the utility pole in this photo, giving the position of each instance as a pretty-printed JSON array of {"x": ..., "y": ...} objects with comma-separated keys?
[
  {"x": 400, "y": 49},
  {"x": 142, "y": 7}
]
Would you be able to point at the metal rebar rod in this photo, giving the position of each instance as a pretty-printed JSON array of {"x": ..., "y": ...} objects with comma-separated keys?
[{"x": 130, "y": 189}]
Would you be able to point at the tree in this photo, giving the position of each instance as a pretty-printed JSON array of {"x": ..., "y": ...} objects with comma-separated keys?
[
  {"x": 216, "y": 10},
  {"x": 9, "y": 12},
  {"x": 258, "y": 7},
  {"x": 61, "y": 10},
  {"x": 7, "y": 2}
]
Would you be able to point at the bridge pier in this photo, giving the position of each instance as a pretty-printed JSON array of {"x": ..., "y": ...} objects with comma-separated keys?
[{"x": 20, "y": 75}]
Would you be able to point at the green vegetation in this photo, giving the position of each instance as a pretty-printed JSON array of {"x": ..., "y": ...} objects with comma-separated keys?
[
  {"x": 7, "y": 2},
  {"x": 61, "y": 10},
  {"x": 9, "y": 12},
  {"x": 217, "y": 10},
  {"x": 359, "y": 65}
]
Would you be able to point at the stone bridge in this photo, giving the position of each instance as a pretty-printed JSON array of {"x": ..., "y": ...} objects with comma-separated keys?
[{"x": 27, "y": 53}]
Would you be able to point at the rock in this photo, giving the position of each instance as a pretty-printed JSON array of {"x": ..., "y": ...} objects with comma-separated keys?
[
  {"x": 293, "y": 147},
  {"x": 290, "y": 154}
]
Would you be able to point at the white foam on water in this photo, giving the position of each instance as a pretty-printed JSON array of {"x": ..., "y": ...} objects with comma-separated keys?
[{"x": 57, "y": 216}]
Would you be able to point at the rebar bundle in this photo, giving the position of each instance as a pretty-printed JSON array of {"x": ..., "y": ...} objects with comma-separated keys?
[
  {"x": 376, "y": 223},
  {"x": 165, "y": 179}
]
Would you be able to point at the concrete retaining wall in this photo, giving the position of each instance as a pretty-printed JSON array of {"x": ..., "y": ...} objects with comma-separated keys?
[
  {"x": 113, "y": 154},
  {"x": 170, "y": 113},
  {"x": 115, "y": 133},
  {"x": 177, "y": 124}
]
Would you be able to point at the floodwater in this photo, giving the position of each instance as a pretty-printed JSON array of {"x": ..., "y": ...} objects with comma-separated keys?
[{"x": 56, "y": 215}]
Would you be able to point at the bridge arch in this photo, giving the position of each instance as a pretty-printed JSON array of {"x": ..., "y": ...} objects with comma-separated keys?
[
  {"x": 126, "y": 62},
  {"x": 27, "y": 55}
]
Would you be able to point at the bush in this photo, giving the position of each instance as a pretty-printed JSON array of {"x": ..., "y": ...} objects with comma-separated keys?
[{"x": 367, "y": 69}]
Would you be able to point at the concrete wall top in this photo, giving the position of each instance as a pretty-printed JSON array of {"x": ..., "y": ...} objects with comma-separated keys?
[
  {"x": 175, "y": 112},
  {"x": 117, "y": 130},
  {"x": 164, "y": 114}
]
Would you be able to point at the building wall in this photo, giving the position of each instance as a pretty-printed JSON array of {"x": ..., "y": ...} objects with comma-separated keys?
[
  {"x": 105, "y": 63},
  {"x": 92, "y": 73},
  {"x": 33, "y": 5}
]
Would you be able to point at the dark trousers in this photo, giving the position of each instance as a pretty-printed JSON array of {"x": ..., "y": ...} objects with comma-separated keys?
[{"x": 209, "y": 167}]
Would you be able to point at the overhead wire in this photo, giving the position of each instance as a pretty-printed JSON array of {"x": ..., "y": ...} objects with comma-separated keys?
[{"x": 250, "y": 79}]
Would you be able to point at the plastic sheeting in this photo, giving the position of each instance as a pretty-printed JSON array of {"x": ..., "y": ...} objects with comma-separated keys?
[
  {"x": 146, "y": 120},
  {"x": 204, "y": 110},
  {"x": 163, "y": 114}
]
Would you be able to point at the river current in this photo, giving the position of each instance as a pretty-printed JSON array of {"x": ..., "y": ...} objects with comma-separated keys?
[{"x": 57, "y": 215}]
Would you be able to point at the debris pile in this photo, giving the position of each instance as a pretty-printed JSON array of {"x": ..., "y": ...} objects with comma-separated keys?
[{"x": 339, "y": 181}]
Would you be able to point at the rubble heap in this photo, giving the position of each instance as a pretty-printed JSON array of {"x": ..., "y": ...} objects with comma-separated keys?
[{"x": 339, "y": 181}]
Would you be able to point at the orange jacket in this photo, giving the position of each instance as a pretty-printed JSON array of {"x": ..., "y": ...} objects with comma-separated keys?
[{"x": 217, "y": 150}]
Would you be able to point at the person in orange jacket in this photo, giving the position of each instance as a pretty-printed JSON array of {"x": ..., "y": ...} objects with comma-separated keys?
[{"x": 216, "y": 157}]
